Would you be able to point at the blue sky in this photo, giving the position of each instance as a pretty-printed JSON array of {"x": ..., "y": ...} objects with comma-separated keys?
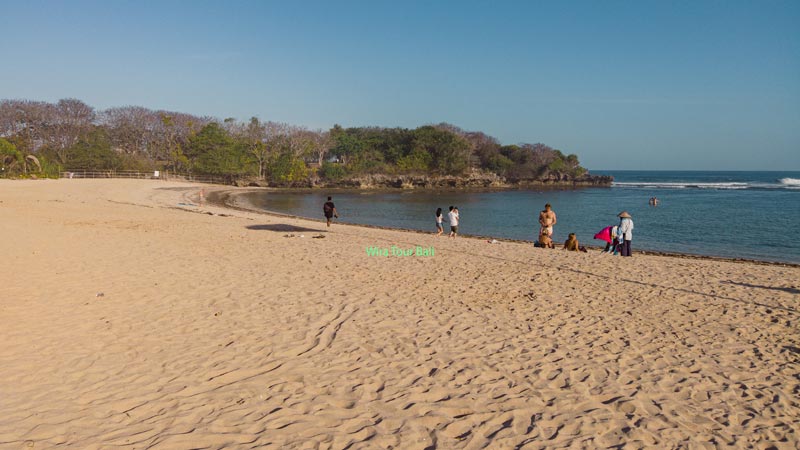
[{"x": 625, "y": 85}]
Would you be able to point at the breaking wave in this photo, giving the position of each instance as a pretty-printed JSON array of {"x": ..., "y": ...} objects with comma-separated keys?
[
  {"x": 790, "y": 182},
  {"x": 682, "y": 185},
  {"x": 784, "y": 183}
]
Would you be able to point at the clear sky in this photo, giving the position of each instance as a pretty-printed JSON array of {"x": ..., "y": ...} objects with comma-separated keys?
[{"x": 625, "y": 85}]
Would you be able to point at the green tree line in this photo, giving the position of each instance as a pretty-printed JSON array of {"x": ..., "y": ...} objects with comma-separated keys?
[{"x": 40, "y": 138}]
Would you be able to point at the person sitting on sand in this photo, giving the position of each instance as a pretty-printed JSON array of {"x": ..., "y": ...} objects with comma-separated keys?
[
  {"x": 329, "y": 209},
  {"x": 544, "y": 239},
  {"x": 571, "y": 244}
]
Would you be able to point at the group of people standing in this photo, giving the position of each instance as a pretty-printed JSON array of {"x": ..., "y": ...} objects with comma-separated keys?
[
  {"x": 618, "y": 237},
  {"x": 452, "y": 217},
  {"x": 547, "y": 220}
]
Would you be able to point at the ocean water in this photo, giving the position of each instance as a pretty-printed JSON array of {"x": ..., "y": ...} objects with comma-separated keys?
[{"x": 754, "y": 215}]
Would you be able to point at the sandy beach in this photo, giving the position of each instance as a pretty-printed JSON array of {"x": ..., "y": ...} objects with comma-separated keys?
[{"x": 133, "y": 316}]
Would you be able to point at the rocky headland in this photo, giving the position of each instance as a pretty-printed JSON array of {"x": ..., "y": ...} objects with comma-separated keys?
[{"x": 473, "y": 180}]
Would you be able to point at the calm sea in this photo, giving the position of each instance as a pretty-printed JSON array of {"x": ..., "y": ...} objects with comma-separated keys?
[{"x": 753, "y": 215}]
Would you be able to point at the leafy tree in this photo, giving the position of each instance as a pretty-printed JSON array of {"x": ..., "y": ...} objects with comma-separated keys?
[
  {"x": 557, "y": 165},
  {"x": 417, "y": 161},
  {"x": 332, "y": 171},
  {"x": 94, "y": 151},
  {"x": 45, "y": 134},
  {"x": 347, "y": 146},
  {"x": 449, "y": 152},
  {"x": 499, "y": 164},
  {"x": 285, "y": 168},
  {"x": 215, "y": 152},
  {"x": 255, "y": 136},
  {"x": 10, "y": 158}
]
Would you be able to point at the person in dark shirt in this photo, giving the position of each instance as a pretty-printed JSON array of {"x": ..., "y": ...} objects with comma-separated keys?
[{"x": 330, "y": 211}]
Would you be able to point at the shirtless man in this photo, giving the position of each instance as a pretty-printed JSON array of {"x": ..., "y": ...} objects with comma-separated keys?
[{"x": 547, "y": 219}]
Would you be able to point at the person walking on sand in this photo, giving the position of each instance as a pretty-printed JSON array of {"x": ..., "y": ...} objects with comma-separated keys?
[
  {"x": 453, "y": 218},
  {"x": 625, "y": 233},
  {"x": 547, "y": 219},
  {"x": 329, "y": 209},
  {"x": 439, "y": 227}
]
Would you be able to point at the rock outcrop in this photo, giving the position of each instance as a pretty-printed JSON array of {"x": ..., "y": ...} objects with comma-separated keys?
[{"x": 474, "y": 180}]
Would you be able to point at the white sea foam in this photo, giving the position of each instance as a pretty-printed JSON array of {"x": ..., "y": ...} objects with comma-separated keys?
[
  {"x": 784, "y": 183},
  {"x": 683, "y": 185}
]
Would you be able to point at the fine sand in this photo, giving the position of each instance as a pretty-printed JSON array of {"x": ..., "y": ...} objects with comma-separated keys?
[{"x": 130, "y": 317}]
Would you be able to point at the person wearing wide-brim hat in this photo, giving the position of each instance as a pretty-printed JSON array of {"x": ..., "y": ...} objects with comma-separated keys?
[{"x": 625, "y": 232}]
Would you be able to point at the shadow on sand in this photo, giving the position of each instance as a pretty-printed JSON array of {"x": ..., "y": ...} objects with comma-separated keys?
[
  {"x": 790, "y": 290},
  {"x": 689, "y": 291},
  {"x": 282, "y": 227}
]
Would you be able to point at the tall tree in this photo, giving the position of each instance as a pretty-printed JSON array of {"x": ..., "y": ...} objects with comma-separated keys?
[
  {"x": 133, "y": 130},
  {"x": 320, "y": 145},
  {"x": 68, "y": 121},
  {"x": 10, "y": 158},
  {"x": 215, "y": 152},
  {"x": 449, "y": 151},
  {"x": 93, "y": 151}
]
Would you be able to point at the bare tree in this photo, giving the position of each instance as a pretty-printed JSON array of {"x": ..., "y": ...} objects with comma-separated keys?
[
  {"x": 171, "y": 132},
  {"x": 321, "y": 145},
  {"x": 132, "y": 130},
  {"x": 253, "y": 134},
  {"x": 541, "y": 154},
  {"x": 25, "y": 122},
  {"x": 289, "y": 138},
  {"x": 67, "y": 121},
  {"x": 482, "y": 146}
]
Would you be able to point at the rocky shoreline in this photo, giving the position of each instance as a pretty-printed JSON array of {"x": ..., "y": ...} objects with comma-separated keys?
[{"x": 473, "y": 180}]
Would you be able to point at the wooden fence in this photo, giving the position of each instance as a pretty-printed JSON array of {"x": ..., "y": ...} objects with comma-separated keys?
[{"x": 153, "y": 175}]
